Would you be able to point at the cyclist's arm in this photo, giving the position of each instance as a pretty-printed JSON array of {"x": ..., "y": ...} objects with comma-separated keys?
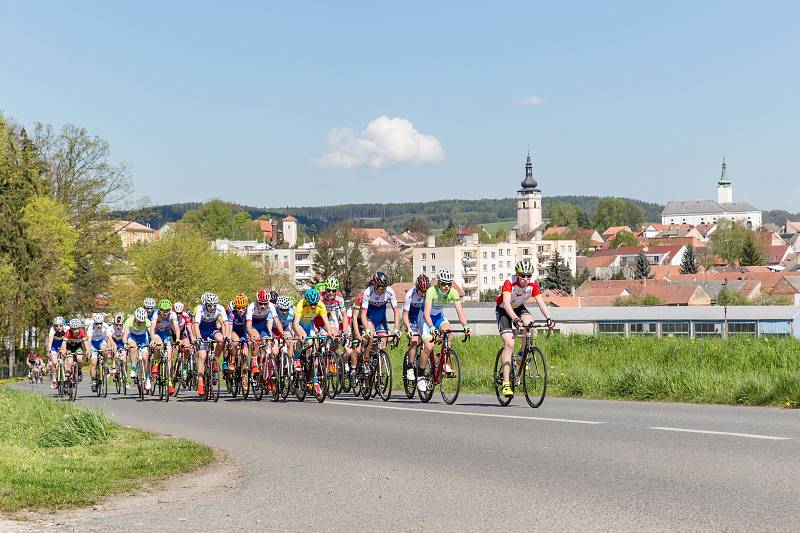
[
  {"x": 458, "y": 289},
  {"x": 543, "y": 307},
  {"x": 125, "y": 332},
  {"x": 426, "y": 312},
  {"x": 248, "y": 325},
  {"x": 406, "y": 323},
  {"x": 152, "y": 329},
  {"x": 363, "y": 314},
  {"x": 176, "y": 329},
  {"x": 460, "y": 313},
  {"x": 507, "y": 306},
  {"x": 396, "y": 317},
  {"x": 49, "y": 343}
]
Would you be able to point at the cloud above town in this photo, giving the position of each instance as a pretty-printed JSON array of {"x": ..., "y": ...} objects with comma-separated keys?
[
  {"x": 529, "y": 101},
  {"x": 384, "y": 142}
]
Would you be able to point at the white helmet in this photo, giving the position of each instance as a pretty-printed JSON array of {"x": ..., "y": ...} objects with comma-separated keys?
[
  {"x": 178, "y": 307},
  {"x": 119, "y": 318},
  {"x": 149, "y": 303},
  {"x": 284, "y": 302},
  {"x": 58, "y": 321},
  {"x": 140, "y": 314},
  {"x": 97, "y": 318},
  {"x": 75, "y": 324},
  {"x": 444, "y": 276},
  {"x": 210, "y": 298}
]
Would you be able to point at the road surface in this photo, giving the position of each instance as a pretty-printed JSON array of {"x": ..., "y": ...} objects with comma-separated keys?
[{"x": 571, "y": 465}]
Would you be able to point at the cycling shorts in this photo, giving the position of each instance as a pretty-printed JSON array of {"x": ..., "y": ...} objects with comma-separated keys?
[
  {"x": 437, "y": 320},
  {"x": 141, "y": 339},
  {"x": 504, "y": 324},
  {"x": 377, "y": 315},
  {"x": 208, "y": 330},
  {"x": 165, "y": 336},
  {"x": 309, "y": 328},
  {"x": 119, "y": 343}
]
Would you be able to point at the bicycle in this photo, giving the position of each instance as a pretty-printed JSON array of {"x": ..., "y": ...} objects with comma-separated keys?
[
  {"x": 410, "y": 385},
  {"x": 139, "y": 378},
  {"x": 315, "y": 367},
  {"x": 69, "y": 379},
  {"x": 160, "y": 372},
  {"x": 379, "y": 367},
  {"x": 120, "y": 371},
  {"x": 333, "y": 364},
  {"x": 101, "y": 374},
  {"x": 212, "y": 376},
  {"x": 61, "y": 376},
  {"x": 528, "y": 368},
  {"x": 282, "y": 373},
  {"x": 184, "y": 369},
  {"x": 444, "y": 369}
]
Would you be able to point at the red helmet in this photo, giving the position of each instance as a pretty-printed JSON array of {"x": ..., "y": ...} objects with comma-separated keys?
[
  {"x": 262, "y": 296},
  {"x": 422, "y": 283}
]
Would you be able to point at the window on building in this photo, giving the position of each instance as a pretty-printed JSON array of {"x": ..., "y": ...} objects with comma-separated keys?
[
  {"x": 643, "y": 328},
  {"x": 741, "y": 328},
  {"x": 484, "y": 255},
  {"x": 485, "y": 280},
  {"x": 508, "y": 252},
  {"x": 675, "y": 329},
  {"x": 704, "y": 330},
  {"x": 485, "y": 267},
  {"x": 423, "y": 257},
  {"x": 526, "y": 251},
  {"x": 500, "y": 252},
  {"x": 611, "y": 328},
  {"x": 423, "y": 269},
  {"x": 540, "y": 249},
  {"x": 494, "y": 279},
  {"x": 492, "y": 255},
  {"x": 433, "y": 255},
  {"x": 433, "y": 269},
  {"x": 493, "y": 267}
]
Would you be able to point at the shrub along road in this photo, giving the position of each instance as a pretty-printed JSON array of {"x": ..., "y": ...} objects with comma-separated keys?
[{"x": 572, "y": 464}]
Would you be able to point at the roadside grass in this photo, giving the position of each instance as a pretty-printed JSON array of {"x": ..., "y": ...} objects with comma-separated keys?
[
  {"x": 737, "y": 371},
  {"x": 55, "y": 455}
]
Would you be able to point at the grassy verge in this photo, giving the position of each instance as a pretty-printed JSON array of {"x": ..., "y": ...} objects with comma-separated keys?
[
  {"x": 54, "y": 455},
  {"x": 742, "y": 370}
]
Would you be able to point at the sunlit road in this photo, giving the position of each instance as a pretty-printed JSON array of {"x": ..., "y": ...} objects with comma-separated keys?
[{"x": 572, "y": 465}]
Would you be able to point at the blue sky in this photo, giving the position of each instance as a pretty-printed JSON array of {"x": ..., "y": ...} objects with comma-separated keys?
[{"x": 307, "y": 103}]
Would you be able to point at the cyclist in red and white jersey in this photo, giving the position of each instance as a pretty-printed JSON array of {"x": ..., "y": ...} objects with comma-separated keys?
[{"x": 511, "y": 309}]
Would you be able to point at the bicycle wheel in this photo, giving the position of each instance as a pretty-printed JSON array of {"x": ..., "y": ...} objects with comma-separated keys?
[
  {"x": 426, "y": 396},
  {"x": 320, "y": 372},
  {"x": 384, "y": 375},
  {"x": 409, "y": 385},
  {"x": 104, "y": 381},
  {"x": 498, "y": 380},
  {"x": 244, "y": 381},
  {"x": 300, "y": 385},
  {"x": 177, "y": 371},
  {"x": 534, "y": 382},
  {"x": 165, "y": 377},
  {"x": 285, "y": 376},
  {"x": 117, "y": 378},
  {"x": 73, "y": 383},
  {"x": 334, "y": 368},
  {"x": 124, "y": 377},
  {"x": 450, "y": 381},
  {"x": 140, "y": 379},
  {"x": 216, "y": 379}
]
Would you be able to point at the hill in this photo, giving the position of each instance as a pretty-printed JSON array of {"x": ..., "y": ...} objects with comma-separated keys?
[{"x": 394, "y": 217}]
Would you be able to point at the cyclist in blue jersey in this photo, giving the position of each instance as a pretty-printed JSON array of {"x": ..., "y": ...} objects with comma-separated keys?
[
  {"x": 413, "y": 320},
  {"x": 373, "y": 309}
]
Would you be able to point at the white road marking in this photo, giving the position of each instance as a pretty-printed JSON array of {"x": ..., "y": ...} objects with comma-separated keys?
[
  {"x": 463, "y": 413},
  {"x": 745, "y": 435}
]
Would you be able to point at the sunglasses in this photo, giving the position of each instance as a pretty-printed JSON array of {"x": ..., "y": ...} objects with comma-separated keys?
[{"x": 524, "y": 276}]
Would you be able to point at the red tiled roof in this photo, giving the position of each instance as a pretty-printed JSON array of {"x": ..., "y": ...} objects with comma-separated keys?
[
  {"x": 595, "y": 261},
  {"x": 555, "y": 230},
  {"x": 289, "y": 218},
  {"x": 633, "y": 250},
  {"x": 372, "y": 233},
  {"x": 775, "y": 254},
  {"x": 400, "y": 289},
  {"x": 613, "y": 230}
]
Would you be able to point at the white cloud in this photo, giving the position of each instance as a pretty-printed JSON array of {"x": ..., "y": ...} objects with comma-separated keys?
[
  {"x": 529, "y": 101},
  {"x": 384, "y": 142}
]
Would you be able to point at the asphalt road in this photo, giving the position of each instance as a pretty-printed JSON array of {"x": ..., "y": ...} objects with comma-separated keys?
[{"x": 571, "y": 465}]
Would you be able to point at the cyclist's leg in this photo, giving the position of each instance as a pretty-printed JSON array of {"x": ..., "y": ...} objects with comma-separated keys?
[
  {"x": 232, "y": 362},
  {"x": 53, "y": 366}
]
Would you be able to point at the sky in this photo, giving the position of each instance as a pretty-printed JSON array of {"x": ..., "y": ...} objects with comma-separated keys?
[{"x": 311, "y": 103}]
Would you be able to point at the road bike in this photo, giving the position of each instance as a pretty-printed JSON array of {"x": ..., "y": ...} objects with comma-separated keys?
[
  {"x": 212, "y": 376},
  {"x": 160, "y": 372},
  {"x": 444, "y": 369},
  {"x": 139, "y": 373},
  {"x": 184, "y": 368},
  {"x": 378, "y": 370},
  {"x": 410, "y": 385},
  {"x": 101, "y": 373},
  {"x": 528, "y": 368},
  {"x": 120, "y": 372}
]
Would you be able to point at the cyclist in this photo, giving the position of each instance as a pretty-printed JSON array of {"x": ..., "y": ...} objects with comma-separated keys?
[
  {"x": 510, "y": 311},
  {"x": 412, "y": 318},
  {"x": 75, "y": 339},
  {"x": 260, "y": 321},
  {"x": 210, "y": 324},
  {"x": 34, "y": 367},
  {"x": 357, "y": 325},
  {"x": 100, "y": 339},
  {"x": 117, "y": 332},
  {"x": 436, "y": 298},
  {"x": 238, "y": 329},
  {"x": 55, "y": 339},
  {"x": 306, "y": 311},
  {"x": 373, "y": 308},
  {"x": 163, "y": 331},
  {"x": 136, "y": 336},
  {"x": 185, "y": 330},
  {"x": 283, "y": 322},
  {"x": 149, "y": 305}
]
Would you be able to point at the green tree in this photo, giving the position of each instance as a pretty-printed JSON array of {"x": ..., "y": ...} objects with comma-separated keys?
[
  {"x": 583, "y": 219},
  {"x": 751, "y": 254},
  {"x": 642, "y": 269},
  {"x": 557, "y": 274},
  {"x": 729, "y": 239},
  {"x": 689, "y": 263},
  {"x": 420, "y": 225},
  {"x": 340, "y": 253},
  {"x": 617, "y": 212},
  {"x": 394, "y": 264},
  {"x": 727, "y": 296},
  {"x": 562, "y": 214},
  {"x": 221, "y": 220},
  {"x": 618, "y": 275},
  {"x": 635, "y": 300},
  {"x": 623, "y": 238},
  {"x": 448, "y": 237},
  {"x": 585, "y": 275},
  {"x": 488, "y": 295}
]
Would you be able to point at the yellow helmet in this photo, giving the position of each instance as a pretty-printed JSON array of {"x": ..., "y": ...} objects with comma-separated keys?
[{"x": 240, "y": 300}]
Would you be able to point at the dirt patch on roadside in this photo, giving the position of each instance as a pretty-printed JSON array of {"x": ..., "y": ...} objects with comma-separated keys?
[{"x": 170, "y": 503}]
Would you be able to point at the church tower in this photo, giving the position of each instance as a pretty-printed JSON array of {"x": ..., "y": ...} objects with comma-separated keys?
[
  {"x": 529, "y": 202},
  {"x": 724, "y": 188}
]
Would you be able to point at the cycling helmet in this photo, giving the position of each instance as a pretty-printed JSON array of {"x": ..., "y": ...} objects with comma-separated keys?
[
  {"x": 149, "y": 303},
  {"x": 178, "y": 307},
  {"x": 75, "y": 323},
  {"x": 140, "y": 315},
  {"x": 211, "y": 298},
  {"x": 284, "y": 303},
  {"x": 273, "y": 296},
  {"x": 321, "y": 286},
  {"x": 332, "y": 284},
  {"x": 58, "y": 321},
  {"x": 119, "y": 318},
  {"x": 380, "y": 279},
  {"x": 524, "y": 267},
  {"x": 204, "y": 298},
  {"x": 262, "y": 296},
  {"x": 240, "y": 301},
  {"x": 165, "y": 305},
  {"x": 312, "y": 296},
  {"x": 422, "y": 283},
  {"x": 97, "y": 318},
  {"x": 230, "y": 306},
  {"x": 444, "y": 276}
]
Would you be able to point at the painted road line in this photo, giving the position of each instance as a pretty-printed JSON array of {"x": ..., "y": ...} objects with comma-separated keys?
[
  {"x": 463, "y": 413},
  {"x": 730, "y": 434}
]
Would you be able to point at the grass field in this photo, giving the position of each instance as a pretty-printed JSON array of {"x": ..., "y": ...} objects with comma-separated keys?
[
  {"x": 743, "y": 370},
  {"x": 54, "y": 455}
]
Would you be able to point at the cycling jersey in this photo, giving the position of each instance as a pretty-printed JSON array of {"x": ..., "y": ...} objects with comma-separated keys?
[
  {"x": 376, "y": 299},
  {"x": 208, "y": 320},
  {"x": 413, "y": 304},
  {"x": 163, "y": 326},
  {"x": 58, "y": 338},
  {"x": 260, "y": 316},
  {"x": 98, "y": 334},
  {"x": 116, "y": 331},
  {"x": 334, "y": 303},
  {"x": 74, "y": 340},
  {"x": 439, "y": 299},
  {"x": 184, "y": 322},
  {"x": 519, "y": 295},
  {"x": 285, "y": 318},
  {"x": 307, "y": 312},
  {"x": 136, "y": 328},
  {"x": 239, "y": 322}
]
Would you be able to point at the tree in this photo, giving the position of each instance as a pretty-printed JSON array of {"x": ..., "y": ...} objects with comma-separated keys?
[
  {"x": 618, "y": 275},
  {"x": 617, "y": 212},
  {"x": 488, "y": 295},
  {"x": 449, "y": 237},
  {"x": 340, "y": 253},
  {"x": 752, "y": 254},
  {"x": 623, "y": 238},
  {"x": 642, "y": 269},
  {"x": 394, "y": 264},
  {"x": 420, "y": 225},
  {"x": 637, "y": 300},
  {"x": 221, "y": 220},
  {"x": 563, "y": 214},
  {"x": 689, "y": 263},
  {"x": 729, "y": 239},
  {"x": 583, "y": 276},
  {"x": 557, "y": 274},
  {"x": 583, "y": 219}
]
